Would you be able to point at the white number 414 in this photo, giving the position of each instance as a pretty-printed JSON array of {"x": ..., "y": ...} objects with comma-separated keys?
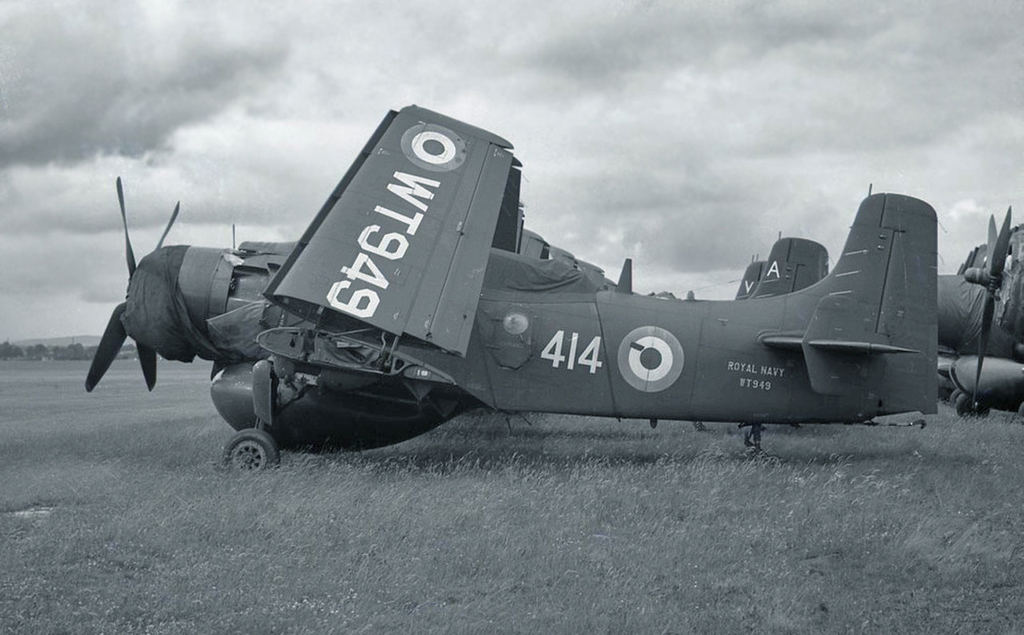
[{"x": 588, "y": 357}]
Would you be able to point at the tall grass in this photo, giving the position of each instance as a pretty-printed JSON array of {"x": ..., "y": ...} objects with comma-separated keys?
[{"x": 567, "y": 525}]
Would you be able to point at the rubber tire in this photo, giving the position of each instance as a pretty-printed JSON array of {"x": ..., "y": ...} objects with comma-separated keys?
[
  {"x": 963, "y": 405},
  {"x": 954, "y": 396},
  {"x": 251, "y": 450}
]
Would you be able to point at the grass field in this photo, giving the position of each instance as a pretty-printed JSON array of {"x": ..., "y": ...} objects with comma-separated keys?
[{"x": 115, "y": 519}]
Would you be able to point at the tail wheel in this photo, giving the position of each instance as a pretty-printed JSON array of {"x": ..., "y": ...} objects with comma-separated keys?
[{"x": 251, "y": 450}]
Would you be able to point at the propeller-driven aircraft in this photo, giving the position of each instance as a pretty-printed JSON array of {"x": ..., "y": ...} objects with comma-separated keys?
[
  {"x": 983, "y": 365},
  {"x": 407, "y": 301},
  {"x": 793, "y": 264}
]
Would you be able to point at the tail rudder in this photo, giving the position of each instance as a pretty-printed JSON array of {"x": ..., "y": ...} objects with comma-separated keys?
[{"x": 880, "y": 301}]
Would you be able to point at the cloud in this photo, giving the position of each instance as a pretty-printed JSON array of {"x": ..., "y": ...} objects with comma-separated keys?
[
  {"x": 685, "y": 135},
  {"x": 85, "y": 80}
]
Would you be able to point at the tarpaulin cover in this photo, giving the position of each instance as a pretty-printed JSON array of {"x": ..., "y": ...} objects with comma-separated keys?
[
  {"x": 235, "y": 332},
  {"x": 1012, "y": 319},
  {"x": 507, "y": 271},
  {"x": 156, "y": 314},
  {"x": 960, "y": 308}
]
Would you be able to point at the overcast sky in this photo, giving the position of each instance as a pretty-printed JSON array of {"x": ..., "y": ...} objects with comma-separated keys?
[{"x": 683, "y": 134}]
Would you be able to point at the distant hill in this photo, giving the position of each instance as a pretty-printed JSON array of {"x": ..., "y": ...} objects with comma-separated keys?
[{"x": 84, "y": 340}]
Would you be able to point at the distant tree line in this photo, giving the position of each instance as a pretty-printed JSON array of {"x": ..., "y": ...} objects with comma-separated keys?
[{"x": 69, "y": 352}]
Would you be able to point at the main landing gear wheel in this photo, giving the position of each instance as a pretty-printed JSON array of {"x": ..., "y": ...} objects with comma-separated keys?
[
  {"x": 954, "y": 396},
  {"x": 965, "y": 407},
  {"x": 251, "y": 450}
]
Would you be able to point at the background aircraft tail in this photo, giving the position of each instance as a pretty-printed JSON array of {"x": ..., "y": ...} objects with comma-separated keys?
[
  {"x": 751, "y": 277},
  {"x": 794, "y": 264}
]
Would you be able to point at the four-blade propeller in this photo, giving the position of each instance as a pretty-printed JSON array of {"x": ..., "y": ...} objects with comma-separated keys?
[
  {"x": 990, "y": 276},
  {"x": 115, "y": 334}
]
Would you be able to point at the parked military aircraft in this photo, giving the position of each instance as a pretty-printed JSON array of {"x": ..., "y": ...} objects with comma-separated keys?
[
  {"x": 980, "y": 364},
  {"x": 751, "y": 276},
  {"x": 793, "y": 264},
  {"x": 406, "y": 302}
]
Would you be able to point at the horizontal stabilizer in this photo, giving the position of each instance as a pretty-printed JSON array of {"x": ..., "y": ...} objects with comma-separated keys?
[
  {"x": 785, "y": 342},
  {"x": 863, "y": 348},
  {"x": 795, "y": 342}
]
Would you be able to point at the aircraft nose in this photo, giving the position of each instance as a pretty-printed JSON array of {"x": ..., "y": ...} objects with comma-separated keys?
[{"x": 156, "y": 314}]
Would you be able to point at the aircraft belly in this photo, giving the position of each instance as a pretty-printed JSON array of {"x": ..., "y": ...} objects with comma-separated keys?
[{"x": 364, "y": 418}]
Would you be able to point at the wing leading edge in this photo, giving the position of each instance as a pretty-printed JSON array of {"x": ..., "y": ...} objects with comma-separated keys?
[{"x": 403, "y": 241}]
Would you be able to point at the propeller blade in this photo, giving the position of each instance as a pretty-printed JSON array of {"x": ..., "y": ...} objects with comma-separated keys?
[
  {"x": 129, "y": 254},
  {"x": 174, "y": 215},
  {"x": 991, "y": 277},
  {"x": 992, "y": 238},
  {"x": 986, "y": 328},
  {"x": 110, "y": 344},
  {"x": 147, "y": 358},
  {"x": 1002, "y": 246}
]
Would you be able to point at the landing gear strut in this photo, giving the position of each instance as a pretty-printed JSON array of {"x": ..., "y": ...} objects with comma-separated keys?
[
  {"x": 255, "y": 448},
  {"x": 752, "y": 435}
]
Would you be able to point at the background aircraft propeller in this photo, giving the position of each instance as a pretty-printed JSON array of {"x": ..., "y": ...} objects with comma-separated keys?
[
  {"x": 115, "y": 334},
  {"x": 991, "y": 277}
]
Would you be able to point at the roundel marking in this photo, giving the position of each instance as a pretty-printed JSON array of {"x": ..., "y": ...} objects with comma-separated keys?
[
  {"x": 420, "y": 150},
  {"x": 650, "y": 359},
  {"x": 433, "y": 147}
]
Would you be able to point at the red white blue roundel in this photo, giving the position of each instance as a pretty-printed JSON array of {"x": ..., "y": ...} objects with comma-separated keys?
[
  {"x": 650, "y": 359},
  {"x": 433, "y": 147}
]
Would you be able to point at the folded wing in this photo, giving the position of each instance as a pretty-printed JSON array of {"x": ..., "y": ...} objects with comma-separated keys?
[{"x": 403, "y": 241}]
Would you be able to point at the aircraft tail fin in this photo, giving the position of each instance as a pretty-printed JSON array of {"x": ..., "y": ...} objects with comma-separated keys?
[
  {"x": 751, "y": 276},
  {"x": 625, "y": 284},
  {"x": 794, "y": 264},
  {"x": 874, "y": 328}
]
